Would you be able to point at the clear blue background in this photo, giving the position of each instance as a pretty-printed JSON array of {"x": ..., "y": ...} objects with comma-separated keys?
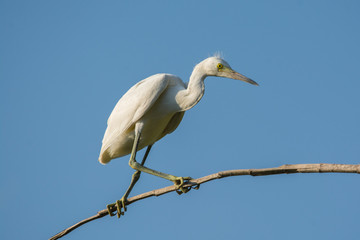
[{"x": 65, "y": 64}]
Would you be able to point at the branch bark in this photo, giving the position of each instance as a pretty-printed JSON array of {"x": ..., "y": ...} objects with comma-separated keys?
[{"x": 284, "y": 169}]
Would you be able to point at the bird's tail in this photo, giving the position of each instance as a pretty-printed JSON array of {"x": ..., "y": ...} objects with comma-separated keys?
[{"x": 104, "y": 158}]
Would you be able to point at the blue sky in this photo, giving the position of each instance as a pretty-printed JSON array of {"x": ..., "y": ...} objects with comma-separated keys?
[{"x": 64, "y": 65}]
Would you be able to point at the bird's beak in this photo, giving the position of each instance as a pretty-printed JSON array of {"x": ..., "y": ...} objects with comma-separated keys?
[{"x": 229, "y": 73}]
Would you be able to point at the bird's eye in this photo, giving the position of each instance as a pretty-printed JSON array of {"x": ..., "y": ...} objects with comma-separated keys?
[{"x": 220, "y": 66}]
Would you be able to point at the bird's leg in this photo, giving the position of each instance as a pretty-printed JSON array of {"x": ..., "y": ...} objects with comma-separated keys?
[
  {"x": 178, "y": 181},
  {"x": 135, "y": 177}
]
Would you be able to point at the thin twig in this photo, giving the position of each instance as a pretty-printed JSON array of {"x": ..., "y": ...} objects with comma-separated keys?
[{"x": 284, "y": 169}]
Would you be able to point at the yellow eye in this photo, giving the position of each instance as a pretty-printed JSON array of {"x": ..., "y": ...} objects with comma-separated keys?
[{"x": 220, "y": 66}]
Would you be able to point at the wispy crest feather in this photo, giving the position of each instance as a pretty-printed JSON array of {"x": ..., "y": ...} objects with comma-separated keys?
[{"x": 219, "y": 54}]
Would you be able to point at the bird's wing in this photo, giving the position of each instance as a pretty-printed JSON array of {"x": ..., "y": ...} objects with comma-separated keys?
[
  {"x": 173, "y": 124},
  {"x": 133, "y": 105}
]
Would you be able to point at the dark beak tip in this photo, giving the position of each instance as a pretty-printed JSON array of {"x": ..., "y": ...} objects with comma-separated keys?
[{"x": 253, "y": 82}]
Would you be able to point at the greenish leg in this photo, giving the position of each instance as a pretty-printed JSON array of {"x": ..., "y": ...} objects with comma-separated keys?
[
  {"x": 135, "y": 177},
  {"x": 178, "y": 181}
]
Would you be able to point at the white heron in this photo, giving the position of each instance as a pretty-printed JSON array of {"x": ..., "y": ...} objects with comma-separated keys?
[{"x": 151, "y": 109}]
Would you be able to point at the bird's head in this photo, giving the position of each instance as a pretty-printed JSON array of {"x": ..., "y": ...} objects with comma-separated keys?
[{"x": 216, "y": 66}]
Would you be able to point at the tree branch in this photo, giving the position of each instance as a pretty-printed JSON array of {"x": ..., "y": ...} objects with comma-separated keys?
[{"x": 294, "y": 168}]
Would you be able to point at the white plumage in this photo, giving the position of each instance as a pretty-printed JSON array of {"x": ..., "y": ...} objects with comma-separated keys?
[
  {"x": 151, "y": 109},
  {"x": 150, "y": 101},
  {"x": 159, "y": 102}
]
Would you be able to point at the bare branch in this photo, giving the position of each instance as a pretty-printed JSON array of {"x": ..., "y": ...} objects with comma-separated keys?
[{"x": 284, "y": 169}]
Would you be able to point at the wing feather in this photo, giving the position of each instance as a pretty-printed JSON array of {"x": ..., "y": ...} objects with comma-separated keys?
[{"x": 132, "y": 106}]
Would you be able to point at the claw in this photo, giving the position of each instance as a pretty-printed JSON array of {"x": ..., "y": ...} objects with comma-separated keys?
[
  {"x": 118, "y": 208},
  {"x": 179, "y": 182},
  {"x": 179, "y": 192},
  {"x": 185, "y": 189},
  {"x": 109, "y": 206},
  {"x": 119, "y": 205}
]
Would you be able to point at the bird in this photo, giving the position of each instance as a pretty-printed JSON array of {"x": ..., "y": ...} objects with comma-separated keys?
[{"x": 151, "y": 109}]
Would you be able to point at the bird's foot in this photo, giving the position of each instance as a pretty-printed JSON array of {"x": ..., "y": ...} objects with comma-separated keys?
[
  {"x": 179, "y": 183},
  {"x": 120, "y": 204}
]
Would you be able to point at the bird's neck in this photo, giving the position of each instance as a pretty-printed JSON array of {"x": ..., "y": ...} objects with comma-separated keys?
[{"x": 190, "y": 96}]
